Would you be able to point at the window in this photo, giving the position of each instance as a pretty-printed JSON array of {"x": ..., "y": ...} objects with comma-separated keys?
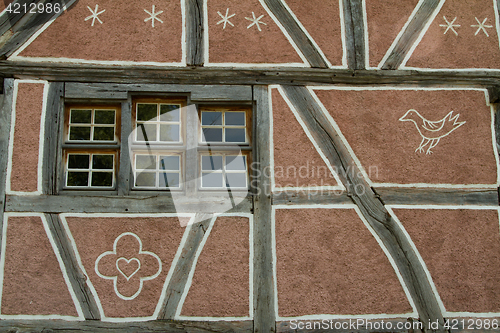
[
  {"x": 157, "y": 171},
  {"x": 223, "y": 125},
  {"x": 218, "y": 171}
]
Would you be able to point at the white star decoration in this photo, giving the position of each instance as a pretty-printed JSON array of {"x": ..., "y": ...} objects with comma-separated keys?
[
  {"x": 450, "y": 26},
  {"x": 225, "y": 19},
  {"x": 255, "y": 21},
  {"x": 94, "y": 15},
  {"x": 481, "y": 26},
  {"x": 153, "y": 16}
]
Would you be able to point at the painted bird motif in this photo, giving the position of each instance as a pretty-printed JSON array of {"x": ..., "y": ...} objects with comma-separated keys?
[{"x": 432, "y": 131}]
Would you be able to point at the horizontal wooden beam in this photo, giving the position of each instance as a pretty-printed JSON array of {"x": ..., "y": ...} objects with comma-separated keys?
[
  {"x": 235, "y": 75},
  {"x": 118, "y": 204},
  {"x": 96, "y": 326}
]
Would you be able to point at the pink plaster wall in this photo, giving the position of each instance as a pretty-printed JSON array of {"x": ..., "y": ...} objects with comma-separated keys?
[
  {"x": 296, "y": 160},
  {"x": 385, "y": 21},
  {"x": 369, "y": 120},
  {"x": 240, "y": 44},
  {"x": 123, "y": 35},
  {"x": 327, "y": 34},
  {"x": 461, "y": 249},
  {"x": 29, "y": 104},
  {"x": 328, "y": 262},
  {"x": 33, "y": 281},
  {"x": 220, "y": 285},
  {"x": 467, "y": 50},
  {"x": 96, "y": 235}
]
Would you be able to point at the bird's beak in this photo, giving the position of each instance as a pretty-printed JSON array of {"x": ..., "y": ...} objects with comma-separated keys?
[{"x": 403, "y": 118}]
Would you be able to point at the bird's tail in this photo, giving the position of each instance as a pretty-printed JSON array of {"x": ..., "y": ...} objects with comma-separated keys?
[{"x": 454, "y": 119}]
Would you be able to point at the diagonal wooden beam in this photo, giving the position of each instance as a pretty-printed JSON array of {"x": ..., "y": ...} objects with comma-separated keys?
[
  {"x": 354, "y": 27},
  {"x": 195, "y": 26},
  {"x": 76, "y": 277},
  {"x": 403, "y": 45},
  {"x": 393, "y": 238},
  {"x": 9, "y": 19},
  {"x": 292, "y": 27}
]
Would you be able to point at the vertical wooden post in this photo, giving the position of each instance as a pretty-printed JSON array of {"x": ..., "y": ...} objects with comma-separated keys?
[
  {"x": 354, "y": 33},
  {"x": 263, "y": 277},
  {"x": 195, "y": 27},
  {"x": 125, "y": 172}
]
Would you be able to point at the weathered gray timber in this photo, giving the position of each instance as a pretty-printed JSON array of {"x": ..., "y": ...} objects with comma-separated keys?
[
  {"x": 354, "y": 33},
  {"x": 95, "y": 326},
  {"x": 305, "y": 45},
  {"x": 195, "y": 45},
  {"x": 346, "y": 325},
  {"x": 244, "y": 76},
  {"x": 187, "y": 260},
  {"x": 411, "y": 34},
  {"x": 76, "y": 276},
  {"x": 27, "y": 26},
  {"x": 9, "y": 19},
  {"x": 494, "y": 94},
  {"x": 52, "y": 137},
  {"x": 310, "y": 197},
  {"x": 125, "y": 171},
  {"x": 263, "y": 278},
  {"x": 371, "y": 207},
  {"x": 153, "y": 203},
  {"x": 199, "y": 93}
]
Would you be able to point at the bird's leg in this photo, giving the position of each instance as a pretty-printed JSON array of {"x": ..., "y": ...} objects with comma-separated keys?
[
  {"x": 433, "y": 144},
  {"x": 424, "y": 143}
]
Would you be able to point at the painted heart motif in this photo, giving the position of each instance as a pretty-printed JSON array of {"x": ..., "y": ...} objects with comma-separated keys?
[{"x": 128, "y": 267}]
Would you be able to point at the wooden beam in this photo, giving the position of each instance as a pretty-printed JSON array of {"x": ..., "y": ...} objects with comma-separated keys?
[
  {"x": 292, "y": 27},
  {"x": 310, "y": 197},
  {"x": 263, "y": 277},
  {"x": 153, "y": 203},
  {"x": 125, "y": 170},
  {"x": 195, "y": 45},
  {"x": 94, "y": 326},
  {"x": 357, "y": 325},
  {"x": 9, "y": 19},
  {"x": 197, "y": 234},
  {"x": 354, "y": 33},
  {"x": 373, "y": 210},
  {"x": 76, "y": 276},
  {"x": 410, "y": 35}
]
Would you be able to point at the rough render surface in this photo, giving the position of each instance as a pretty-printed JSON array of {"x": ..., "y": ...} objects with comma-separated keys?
[
  {"x": 220, "y": 285},
  {"x": 296, "y": 160},
  {"x": 29, "y": 104},
  {"x": 328, "y": 34},
  {"x": 385, "y": 146},
  {"x": 243, "y": 43},
  {"x": 469, "y": 47},
  {"x": 461, "y": 249},
  {"x": 96, "y": 235},
  {"x": 123, "y": 34},
  {"x": 312, "y": 244},
  {"x": 385, "y": 21},
  {"x": 33, "y": 283}
]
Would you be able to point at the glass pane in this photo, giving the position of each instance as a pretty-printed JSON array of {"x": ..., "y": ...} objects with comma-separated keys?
[
  {"x": 79, "y": 133},
  {"x": 236, "y": 163},
  {"x": 145, "y": 162},
  {"x": 236, "y": 180},
  {"x": 169, "y": 179},
  {"x": 78, "y": 161},
  {"x": 170, "y": 163},
  {"x": 170, "y": 133},
  {"x": 211, "y": 162},
  {"x": 146, "y": 112},
  {"x": 102, "y": 179},
  {"x": 211, "y": 118},
  {"x": 170, "y": 112},
  {"x": 211, "y": 180},
  {"x": 235, "y": 118},
  {"x": 235, "y": 135},
  {"x": 104, "y": 133},
  {"x": 77, "y": 179},
  {"x": 145, "y": 179},
  {"x": 81, "y": 116},
  {"x": 212, "y": 134},
  {"x": 102, "y": 162},
  {"x": 146, "y": 132},
  {"x": 104, "y": 117}
]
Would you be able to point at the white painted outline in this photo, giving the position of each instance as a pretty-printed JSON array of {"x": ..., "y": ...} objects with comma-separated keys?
[
  {"x": 89, "y": 282},
  {"x": 16, "y": 57},
  {"x": 61, "y": 267},
  {"x": 393, "y": 88},
  {"x": 365, "y": 33},
  {"x": 330, "y": 316},
  {"x": 340, "y": 185},
  {"x": 41, "y": 138},
  {"x": 445, "y": 313},
  {"x": 178, "y": 315},
  {"x": 115, "y": 278},
  {"x": 342, "y": 35}
]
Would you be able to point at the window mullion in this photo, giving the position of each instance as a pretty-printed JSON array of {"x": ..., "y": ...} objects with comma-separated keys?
[{"x": 191, "y": 162}]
